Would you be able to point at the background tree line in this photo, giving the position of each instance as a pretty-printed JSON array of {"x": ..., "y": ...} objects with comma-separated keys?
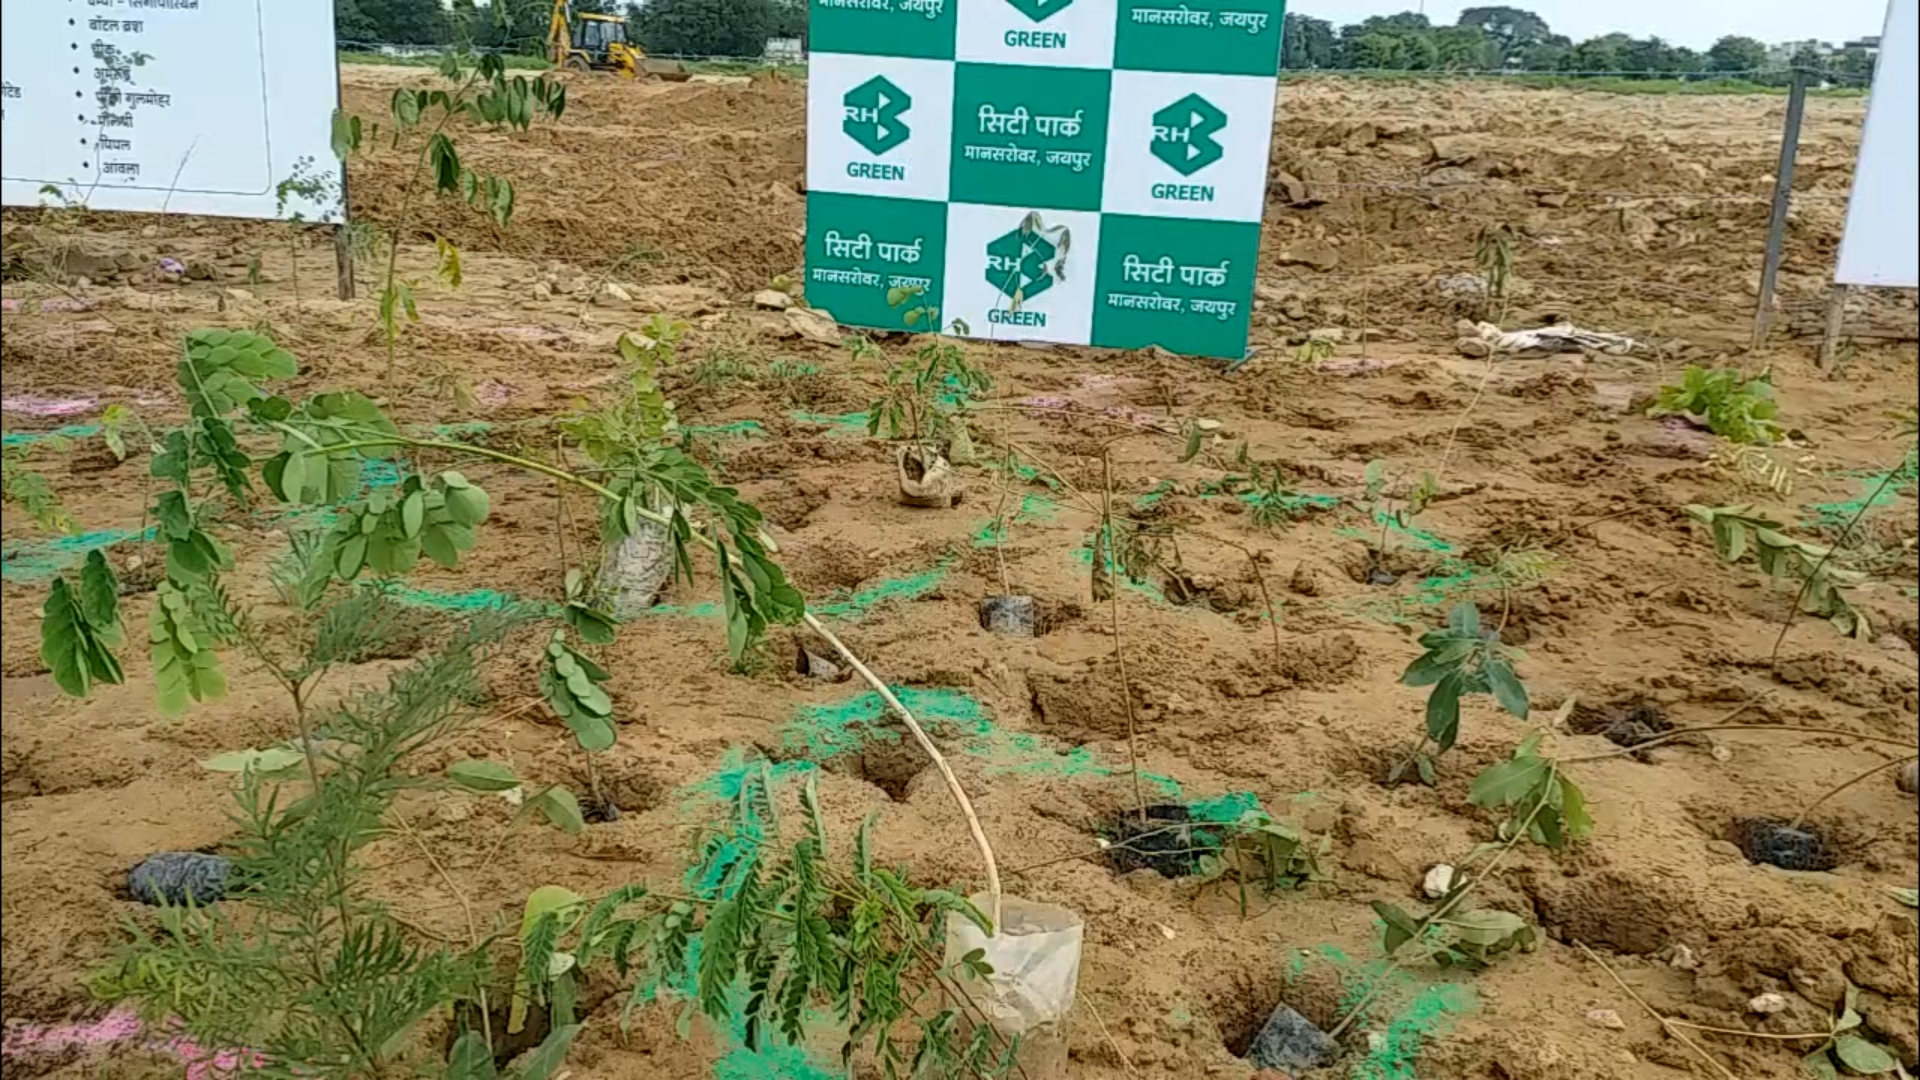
[
  {"x": 1482, "y": 39},
  {"x": 1511, "y": 38}
]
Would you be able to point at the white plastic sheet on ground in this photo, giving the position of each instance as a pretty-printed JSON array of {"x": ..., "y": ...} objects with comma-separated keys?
[{"x": 1036, "y": 975}]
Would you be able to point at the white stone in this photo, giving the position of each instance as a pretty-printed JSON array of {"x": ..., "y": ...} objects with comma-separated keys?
[
  {"x": 1768, "y": 1004},
  {"x": 1439, "y": 880}
]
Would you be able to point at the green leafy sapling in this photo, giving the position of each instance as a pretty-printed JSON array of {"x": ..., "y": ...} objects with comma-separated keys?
[
  {"x": 477, "y": 89},
  {"x": 1730, "y": 404},
  {"x": 1460, "y": 659},
  {"x": 1537, "y": 797},
  {"x": 22, "y": 486},
  {"x": 1849, "y": 1053},
  {"x": 80, "y": 628},
  {"x": 1381, "y": 505},
  {"x": 1824, "y": 586}
]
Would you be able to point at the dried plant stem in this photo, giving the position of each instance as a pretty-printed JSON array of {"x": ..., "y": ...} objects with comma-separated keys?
[
  {"x": 466, "y": 908},
  {"x": 1108, "y": 1035},
  {"x": 1670, "y": 1027},
  {"x": 1446, "y": 455},
  {"x": 1806, "y": 583},
  {"x": 1816, "y": 804},
  {"x": 1119, "y": 642}
]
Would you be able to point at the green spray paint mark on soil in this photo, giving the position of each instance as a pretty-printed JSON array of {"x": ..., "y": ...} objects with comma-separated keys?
[
  {"x": 841, "y": 426},
  {"x": 1419, "y": 1013},
  {"x": 1432, "y": 1012},
  {"x": 1084, "y": 556},
  {"x": 468, "y": 603},
  {"x": 1032, "y": 509},
  {"x": 16, "y": 439},
  {"x": 820, "y": 732},
  {"x": 40, "y": 560},
  {"x": 910, "y": 587},
  {"x": 1410, "y": 535},
  {"x": 1834, "y": 516},
  {"x": 728, "y": 429}
]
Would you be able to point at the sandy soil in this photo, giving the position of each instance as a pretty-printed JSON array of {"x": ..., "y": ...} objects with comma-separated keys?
[{"x": 1642, "y": 215}]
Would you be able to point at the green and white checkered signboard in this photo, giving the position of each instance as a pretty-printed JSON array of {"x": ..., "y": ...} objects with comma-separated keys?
[{"x": 1078, "y": 171}]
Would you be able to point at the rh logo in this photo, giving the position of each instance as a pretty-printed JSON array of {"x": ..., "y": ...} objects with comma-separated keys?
[
  {"x": 1183, "y": 134},
  {"x": 873, "y": 115}
]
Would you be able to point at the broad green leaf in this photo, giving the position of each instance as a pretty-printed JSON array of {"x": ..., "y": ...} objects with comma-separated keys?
[
  {"x": 1507, "y": 782},
  {"x": 1573, "y": 809},
  {"x": 99, "y": 592},
  {"x": 1507, "y": 688},
  {"x": 550, "y": 1055},
  {"x": 1485, "y": 928},
  {"x": 1443, "y": 710},
  {"x": 471, "y": 1058},
  {"x": 1432, "y": 666},
  {"x": 1820, "y": 1065},
  {"x": 1909, "y": 897},
  {"x": 475, "y": 775},
  {"x": 1401, "y": 927},
  {"x": 560, "y": 808},
  {"x": 1464, "y": 620},
  {"x": 1862, "y": 1057},
  {"x": 274, "y": 759}
]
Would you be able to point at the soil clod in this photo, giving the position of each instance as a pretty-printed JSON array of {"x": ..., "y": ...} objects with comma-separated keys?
[
  {"x": 1776, "y": 843},
  {"x": 1291, "y": 1043},
  {"x": 177, "y": 877},
  {"x": 1625, "y": 724}
]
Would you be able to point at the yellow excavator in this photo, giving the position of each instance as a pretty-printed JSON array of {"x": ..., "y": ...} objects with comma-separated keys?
[{"x": 591, "y": 42}]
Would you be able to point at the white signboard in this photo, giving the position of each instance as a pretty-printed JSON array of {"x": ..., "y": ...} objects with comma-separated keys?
[
  {"x": 1882, "y": 243},
  {"x": 189, "y": 106}
]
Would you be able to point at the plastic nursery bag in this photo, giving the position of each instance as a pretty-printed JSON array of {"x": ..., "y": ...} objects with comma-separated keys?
[{"x": 1036, "y": 974}]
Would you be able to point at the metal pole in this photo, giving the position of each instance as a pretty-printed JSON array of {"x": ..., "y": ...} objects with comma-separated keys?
[{"x": 1782, "y": 199}]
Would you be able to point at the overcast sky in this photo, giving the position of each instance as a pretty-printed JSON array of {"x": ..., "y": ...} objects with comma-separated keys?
[{"x": 1696, "y": 23}]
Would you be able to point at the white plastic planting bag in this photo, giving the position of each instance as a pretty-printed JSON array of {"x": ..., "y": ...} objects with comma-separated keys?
[{"x": 1036, "y": 974}]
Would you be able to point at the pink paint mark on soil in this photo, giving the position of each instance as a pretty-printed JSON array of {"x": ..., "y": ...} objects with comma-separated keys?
[
  {"x": 119, "y": 1028},
  {"x": 34, "y": 405}
]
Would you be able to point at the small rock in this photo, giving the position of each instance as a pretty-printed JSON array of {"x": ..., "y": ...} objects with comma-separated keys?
[
  {"x": 1305, "y": 580},
  {"x": 1312, "y": 253},
  {"x": 175, "y": 877},
  {"x": 1726, "y": 848},
  {"x": 1438, "y": 881},
  {"x": 1682, "y": 958},
  {"x": 1768, "y": 1004},
  {"x": 1909, "y": 778},
  {"x": 1290, "y": 1043},
  {"x": 201, "y": 271},
  {"x": 772, "y": 300},
  {"x": 566, "y": 280},
  {"x": 1606, "y": 1018},
  {"x": 1206, "y": 424},
  {"x": 1450, "y": 176},
  {"x": 1472, "y": 348},
  {"x": 1553, "y": 199},
  {"x": 1331, "y": 334},
  {"x": 613, "y": 295},
  {"x": 543, "y": 290},
  {"x": 814, "y": 324}
]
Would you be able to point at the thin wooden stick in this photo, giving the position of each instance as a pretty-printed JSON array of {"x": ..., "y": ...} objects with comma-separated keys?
[
  {"x": 939, "y": 760},
  {"x": 1666, "y": 1024},
  {"x": 1875, "y": 771},
  {"x": 1119, "y": 646},
  {"x": 1095, "y": 1013}
]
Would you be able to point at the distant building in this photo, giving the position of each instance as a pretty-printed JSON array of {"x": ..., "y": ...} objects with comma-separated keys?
[
  {"x": 1782, "y": 55},
  {"x": 785, "y": 50},
  {"x": 1870, "y": 43}
]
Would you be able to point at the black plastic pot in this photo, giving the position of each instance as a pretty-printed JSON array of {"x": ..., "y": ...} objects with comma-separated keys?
[{"x": 1013, "y": 614}]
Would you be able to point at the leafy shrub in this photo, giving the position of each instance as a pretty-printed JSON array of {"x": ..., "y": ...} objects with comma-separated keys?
[{"x": 1730, "y": 404}]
